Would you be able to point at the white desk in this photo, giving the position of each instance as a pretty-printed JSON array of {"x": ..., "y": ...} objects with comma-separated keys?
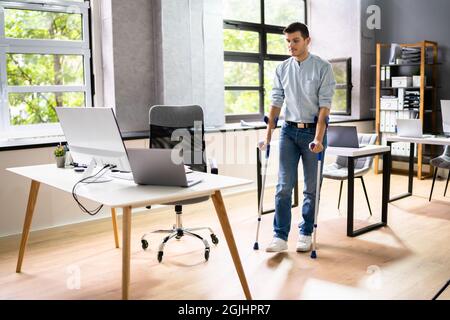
[
  {"x": 126, "y": 195},
  {"x": 441, "y": 141},
  {"x": 351, "y": 154}
]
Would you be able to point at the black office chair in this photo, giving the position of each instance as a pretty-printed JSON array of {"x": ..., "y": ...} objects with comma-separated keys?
[
  {"x": 443, "y": 161},
  {"x": 181, "y": 127}
]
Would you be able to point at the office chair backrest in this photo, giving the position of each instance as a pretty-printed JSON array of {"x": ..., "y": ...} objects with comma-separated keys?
[
  {"x": 360, "y": 163},
  {"x": 446, "y": 151},
  {"x": 181, "y": 127}
]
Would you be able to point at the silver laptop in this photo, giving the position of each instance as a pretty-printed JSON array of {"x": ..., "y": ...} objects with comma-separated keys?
[
  {"x": 445, "y": 109},
  {"x": 343, "y": 137},
  {"x": 411, "y": 128},
  {"x": 155, "y": 167}
]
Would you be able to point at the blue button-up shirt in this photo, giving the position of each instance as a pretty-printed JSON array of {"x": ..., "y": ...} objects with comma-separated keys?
[{"x": 304, "y": 87}]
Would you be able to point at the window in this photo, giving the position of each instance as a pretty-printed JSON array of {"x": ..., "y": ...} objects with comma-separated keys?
[
  {"x": 44, "y": 62},
  {"x": 254, "y": 45},
  {"x": 342, "y": 99}
]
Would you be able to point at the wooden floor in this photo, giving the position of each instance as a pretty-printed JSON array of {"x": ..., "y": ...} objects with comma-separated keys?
[{"x": 408, "y": 260}]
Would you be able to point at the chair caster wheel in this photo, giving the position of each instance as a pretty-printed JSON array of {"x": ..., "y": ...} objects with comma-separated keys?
[
  {"x": 160, "y": 255},
  {"x": 144, "y": 244},
  {"x": 206, "y": 254},
  {"x": 214, "y": 239}
]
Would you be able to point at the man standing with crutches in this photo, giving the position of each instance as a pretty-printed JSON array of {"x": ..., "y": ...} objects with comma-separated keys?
[{"x": 305, "y": 84}]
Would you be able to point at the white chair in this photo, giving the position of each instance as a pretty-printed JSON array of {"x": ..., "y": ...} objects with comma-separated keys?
[{"x": 442, "y": 161}]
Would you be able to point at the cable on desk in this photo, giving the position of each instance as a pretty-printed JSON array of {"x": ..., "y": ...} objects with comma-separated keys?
[{"x": 98, "y": 175}]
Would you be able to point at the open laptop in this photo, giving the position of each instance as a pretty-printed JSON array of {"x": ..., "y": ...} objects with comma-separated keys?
[
  {"x": 445, "y": 109},
  {"x": 343, "y": 137},
  {"x": 156, "y": 167},
  {"x": 411, "y": 128}
]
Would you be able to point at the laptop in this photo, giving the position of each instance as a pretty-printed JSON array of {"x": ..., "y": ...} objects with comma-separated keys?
[
  {"x": 155, "y": 167},
  {"x": 411, "y": 128},
  {"x": 445, "y": 109},
  {"x": 343, "y": 137}
]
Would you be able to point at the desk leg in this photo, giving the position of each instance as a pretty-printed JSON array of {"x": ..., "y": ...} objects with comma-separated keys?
[
  {"x": 387, "y": 164},
  {"x": 126, "y": 235},
  {"x": 410, "y": 173},
  {"x": 116, "y": 231},
  {"x": 411, "y": 168},
  {"x": 226, "y": 228},
  {"x": 32, "y": 197},
  {"x": 350, "y": 195},
  {"x": 385, "y": 197}
]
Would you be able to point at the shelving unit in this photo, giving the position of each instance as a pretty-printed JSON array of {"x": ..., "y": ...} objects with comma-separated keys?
[{"x": 426, "y": 67}]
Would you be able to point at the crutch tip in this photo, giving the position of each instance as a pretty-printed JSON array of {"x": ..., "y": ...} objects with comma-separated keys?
[
  {"x": 256, "y": 246},
  {"x": 313, "y": 254}
]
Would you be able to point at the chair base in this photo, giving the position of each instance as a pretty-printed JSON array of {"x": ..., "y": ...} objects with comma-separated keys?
[{"x": 178, "y": 233}]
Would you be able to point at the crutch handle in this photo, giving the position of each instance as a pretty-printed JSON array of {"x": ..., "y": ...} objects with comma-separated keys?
[
  {"x": 266, "y": 120},
  {"x": 312, "y": 145}
]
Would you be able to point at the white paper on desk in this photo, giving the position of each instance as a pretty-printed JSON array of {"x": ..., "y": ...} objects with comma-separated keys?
[{"x": 187, "y": 169}]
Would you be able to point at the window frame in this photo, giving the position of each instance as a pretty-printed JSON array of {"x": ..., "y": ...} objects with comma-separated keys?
[
  {"x": 348, "y": 86},
  {"x": 37, "y": 46},
  {"x": 262, "y": 29}
]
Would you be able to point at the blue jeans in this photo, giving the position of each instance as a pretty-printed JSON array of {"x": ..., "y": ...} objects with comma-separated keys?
[{"x": 294, "y": 144}]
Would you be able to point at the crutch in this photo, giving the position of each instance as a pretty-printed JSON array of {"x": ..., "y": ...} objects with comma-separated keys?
[
  {"x": 263, "y": 185},
  {"x": 320, "y": 157},
  {"x": 316, "y": 209}
]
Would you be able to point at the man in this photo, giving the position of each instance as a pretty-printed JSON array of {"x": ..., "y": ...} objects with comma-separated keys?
[{"x": 305, "y": 83}]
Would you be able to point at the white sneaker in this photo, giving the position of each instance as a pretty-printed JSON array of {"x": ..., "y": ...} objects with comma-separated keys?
[
  {"x": 277, "y": 245},
  {"x": 304, "y": 243}
]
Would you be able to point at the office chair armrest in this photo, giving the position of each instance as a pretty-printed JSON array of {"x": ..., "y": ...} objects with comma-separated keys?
[{"x": 213, "y": 165}]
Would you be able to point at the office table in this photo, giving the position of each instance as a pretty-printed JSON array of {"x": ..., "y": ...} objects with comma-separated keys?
[
  {"x": 441, "y": 141},
  {"x": 351, "y": 154},
  {"x": 126, "y": 194}
]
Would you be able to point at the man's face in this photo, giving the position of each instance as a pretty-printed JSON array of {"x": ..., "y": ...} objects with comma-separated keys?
[{"x": 297, "y": 45}]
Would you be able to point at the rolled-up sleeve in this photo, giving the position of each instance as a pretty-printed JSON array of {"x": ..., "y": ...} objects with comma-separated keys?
[
  {"x": 327, "y": 86},
  {"x": 277, "y": 95}
]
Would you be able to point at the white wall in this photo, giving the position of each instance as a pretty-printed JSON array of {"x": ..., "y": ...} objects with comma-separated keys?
[
  {"x": 335, "y": 32},
  {"x": 234, "y": 151},
  {"x": 192, "y": 56},
  {"x": 338, "y": 30}
]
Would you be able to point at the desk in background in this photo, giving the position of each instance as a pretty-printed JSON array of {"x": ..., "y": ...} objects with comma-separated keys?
[
  {"x": 440, "y": 141},
  {"x": 351, "y": 154},
  {"x": 127, "y": 195}
]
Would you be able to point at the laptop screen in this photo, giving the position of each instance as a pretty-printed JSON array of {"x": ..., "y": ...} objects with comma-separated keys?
[
  {"x": 409, "y": 127},
  {"x": 342, "y": 137}
]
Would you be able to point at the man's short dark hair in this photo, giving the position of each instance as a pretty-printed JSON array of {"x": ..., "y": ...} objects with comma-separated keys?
[{"x": 297, "y": 26}]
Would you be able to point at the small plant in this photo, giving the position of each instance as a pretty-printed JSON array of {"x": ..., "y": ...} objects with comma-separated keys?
[{"x": 60, "y": 151}]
